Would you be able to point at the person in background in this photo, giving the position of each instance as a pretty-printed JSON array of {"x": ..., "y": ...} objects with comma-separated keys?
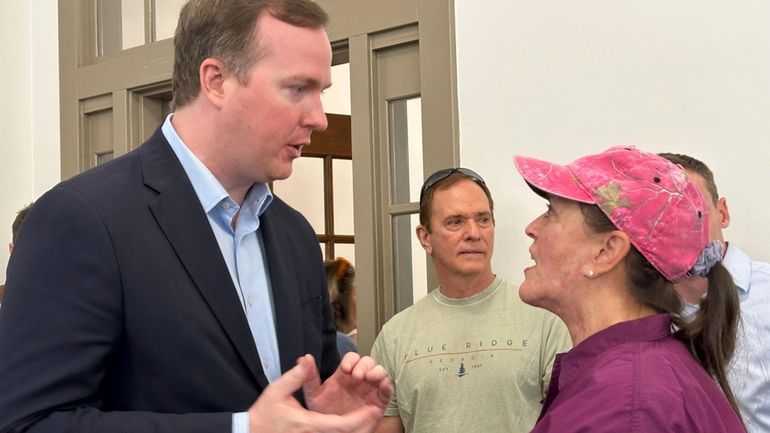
[
  {"x": 469, "y": 356},
  {"x": 749, "y": 372},
  {"x": 15, "y": 227},
  {"x": 340, "y": 277},
  {"x": 620, "y": 228},
  {"x": 168, "y": 290}
]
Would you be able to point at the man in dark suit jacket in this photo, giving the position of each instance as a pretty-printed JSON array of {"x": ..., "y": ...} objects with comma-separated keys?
[{"x": 125, "y": 310}]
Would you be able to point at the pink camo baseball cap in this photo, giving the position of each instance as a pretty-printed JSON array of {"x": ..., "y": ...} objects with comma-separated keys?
[{"x": 649, "y": 198}]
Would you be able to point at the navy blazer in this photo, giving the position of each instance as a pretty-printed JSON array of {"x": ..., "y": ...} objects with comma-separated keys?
[{"x": 120, "y": 314}]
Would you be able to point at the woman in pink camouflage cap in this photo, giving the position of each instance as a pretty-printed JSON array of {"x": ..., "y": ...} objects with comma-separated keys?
[{"x": 621, "y": 226}]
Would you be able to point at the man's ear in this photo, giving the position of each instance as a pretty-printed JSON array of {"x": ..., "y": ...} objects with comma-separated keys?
[
  {"x": 723, "y": 212},
  {"x": 614, "y": 249},
  {"x": 212, "y": 75},
  {"x": 424, "y": 237}
]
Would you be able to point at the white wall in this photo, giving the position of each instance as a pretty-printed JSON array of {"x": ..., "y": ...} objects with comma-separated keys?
[
  {"x": 560, "y": 79},
  {"x": 552, "y": 79},
  {"x": 29, "y": 114}
]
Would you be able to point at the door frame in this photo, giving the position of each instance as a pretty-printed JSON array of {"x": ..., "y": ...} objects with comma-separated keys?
[{"x": 122, "y": 77}]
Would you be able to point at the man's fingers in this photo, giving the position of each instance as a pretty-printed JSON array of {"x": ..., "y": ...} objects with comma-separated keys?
[
  {"x": 313, "y": 381},
  {"x": 378, "y": 378},
  {"x": 362, "y": 367},
  {"x": 292, "y": 380},
  {"x": 348, "y": 362},
  {"x": 385, "y": 391},
  {"x": 376, "y": 374}
]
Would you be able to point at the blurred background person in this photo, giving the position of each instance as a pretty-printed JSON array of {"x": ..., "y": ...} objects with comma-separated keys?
[
  {"x": 340, "y": 276},
  {"x": 749, "y": 372},
  {"x": 15, "y": 227}
]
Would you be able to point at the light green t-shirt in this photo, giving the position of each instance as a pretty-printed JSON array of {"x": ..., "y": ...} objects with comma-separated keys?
[{"x": 478, "y": 364}]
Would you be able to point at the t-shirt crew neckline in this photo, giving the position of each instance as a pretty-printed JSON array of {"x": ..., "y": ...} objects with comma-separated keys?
[{"x": 464, "y": 302}]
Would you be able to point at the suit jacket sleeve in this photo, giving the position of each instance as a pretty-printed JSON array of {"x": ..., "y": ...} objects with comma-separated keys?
[{"x": 60, "y": 323}]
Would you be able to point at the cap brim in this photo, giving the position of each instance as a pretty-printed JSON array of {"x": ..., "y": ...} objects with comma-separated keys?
[{"x": 551, "y": 179}]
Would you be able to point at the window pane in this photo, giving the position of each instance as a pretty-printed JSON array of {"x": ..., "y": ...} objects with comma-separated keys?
[
  {"x": 409, "y": 265},
  {"x": 348, "y": 251},
  {"x": 336, "y": 99},
  {"x": 166, "y": 17},
  {"x": 419, "y": 262},
  {"x": 414, "y": 128},
  {"x": 342, "y": 178},
  {"x": 132, "y": 23},
  {"x": 120, "y": 25},
  {"x": 107, "y": 27},
  {"x": 304, "y": 190},
  {"x": 405, "y": 132}
]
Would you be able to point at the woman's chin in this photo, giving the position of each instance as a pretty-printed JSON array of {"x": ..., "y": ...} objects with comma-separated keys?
[{"x": 528, "y": 293}]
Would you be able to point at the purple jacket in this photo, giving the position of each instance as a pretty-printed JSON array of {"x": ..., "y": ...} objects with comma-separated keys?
[{"x": 634, "y": 377}]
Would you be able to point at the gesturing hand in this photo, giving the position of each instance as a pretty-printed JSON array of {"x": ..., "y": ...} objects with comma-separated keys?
[
  {"x": 351, "y": 401},
  {"x": 358, "y": 384}
]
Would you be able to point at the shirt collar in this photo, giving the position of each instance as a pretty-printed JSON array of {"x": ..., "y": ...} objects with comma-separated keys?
[
  {"x": 208, "y": 189},
  {"x": 739, "y": 265},
  {"x": 474, "y": 299},
  {"x": 652, "y": 328}
]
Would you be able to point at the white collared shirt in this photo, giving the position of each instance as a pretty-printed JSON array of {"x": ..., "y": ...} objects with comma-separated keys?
[
  {"x": 749, "y": 371},
  {"x": 241, "y": 246}
]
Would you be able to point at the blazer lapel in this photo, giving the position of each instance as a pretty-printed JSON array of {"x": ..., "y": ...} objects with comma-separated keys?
[
  {"x": 286, "y": 294},
  {"x": 181, "y": 218}
]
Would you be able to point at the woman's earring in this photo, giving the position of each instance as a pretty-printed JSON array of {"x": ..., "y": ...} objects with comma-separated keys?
[{"x": 590, "y": 274}]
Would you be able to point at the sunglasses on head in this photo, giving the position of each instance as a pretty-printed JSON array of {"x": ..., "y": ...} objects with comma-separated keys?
[{"x": 440, "y": 175}]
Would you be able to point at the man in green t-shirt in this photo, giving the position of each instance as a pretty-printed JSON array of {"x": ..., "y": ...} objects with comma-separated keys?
[{"x": 470, "y": 356}]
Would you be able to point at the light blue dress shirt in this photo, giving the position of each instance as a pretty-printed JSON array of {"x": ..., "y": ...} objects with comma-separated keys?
[
  {"x": 243, "y": 250},
  {"x": 749, "y": 372}
]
